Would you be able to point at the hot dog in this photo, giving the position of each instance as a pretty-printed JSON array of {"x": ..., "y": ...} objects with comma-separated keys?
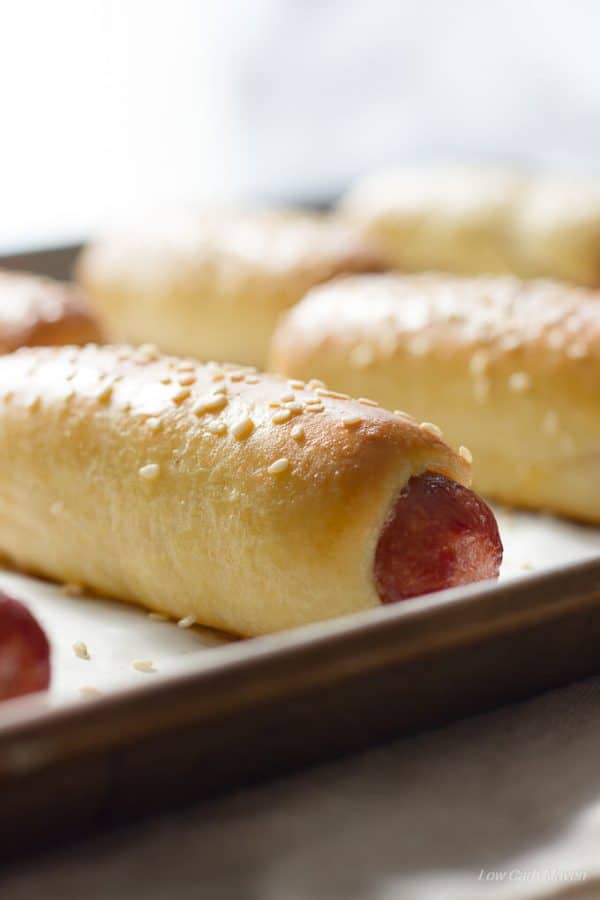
[
  {"x": 248, "y": 501},
  {"x": 38, "y": 311},
  {"x": 511, "y": 368}
]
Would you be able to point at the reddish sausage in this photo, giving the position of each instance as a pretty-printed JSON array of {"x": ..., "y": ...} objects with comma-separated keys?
[
  {"x": 440, "y": 534},
  {"x": 24, "y": 651}
]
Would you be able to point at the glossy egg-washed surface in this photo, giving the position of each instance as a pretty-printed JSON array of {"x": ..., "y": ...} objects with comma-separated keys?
[
  {"x": 213, "y": 286},
  {"x": 40, "y": 311},
  {"x": 510, "y": 368},
  {"x": 248, "y": 501}
]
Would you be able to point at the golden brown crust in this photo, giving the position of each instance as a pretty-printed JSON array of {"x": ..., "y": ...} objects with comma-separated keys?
[
  {"x": 509, "y": 368},
  {"x": 213, "y": 287},
  {"x": 471, "y": 220},
  {"x": 251, "y": 510},
  {"x": 38, "y": 311}
]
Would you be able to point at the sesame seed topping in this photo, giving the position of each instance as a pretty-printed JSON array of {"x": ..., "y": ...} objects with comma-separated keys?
[
  {"x": 186, "y": 367},
  {"x": 57, "y": 508},
  {"x": 283, "y": 415},
  {"x": 294, "y": 408},
  {"x": 402, "y": 412},
  {"x": 577, "y": 351},
  {"x": 336, "y": 395},
  {"x": 296, "y": 384},
  {"x": 430, "y": 428},
  {"x": 252, "y": 379},
  {"x": 143, "y": 665},
  {"x": 419, "y": 345},
  {"x": 361, "y": 356},
  {"x": 81, "y": 650},
  {"x": 212, "y": 403},
  {"x": 185, "y": 380},
  {"x": 149, "y": 350},
  {"x": 181, "y": 395},
  {"x": 479, "y": 362},
  {"x": 366, "y": 401},
  {"x": 287, "y": 397},
  {"x": 153, "y": 423},
  {"x": 217, "y": 427},
  {"x": 465, "y": 454},
  {"x": 315, "y": 383},
  {"x": 280, "y": 465},
  {"x": 519, "y": 381},
  {"x": 149, "y": 472},
  {"x": 314, "y": 407},
  {"x": 555, "y": 340},
  {"x": 217, "y": 376},
  {"x": 186, "y": 622},
  {"x": 236, "y": 376},
  {"x": 550, "y": 422},
  {"x": 166, "y": 380},
  {"x": 243, "y": 428},
  {"x": 90, "y": 693},
  {"x": 298, "y": 433},
  {"x": 352, "y": 420}
]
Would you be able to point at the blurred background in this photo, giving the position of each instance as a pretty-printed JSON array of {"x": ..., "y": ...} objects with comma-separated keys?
[{"x": 119, "y": 109}]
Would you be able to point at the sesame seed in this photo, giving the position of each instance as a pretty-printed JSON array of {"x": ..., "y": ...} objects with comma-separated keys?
[
  {"x": 212, "y": 403},
  {"x": 519, "y": 381},
  {"x": 296, "y": 384},
  {"x": 252, "y": 379},
  {"x": 181, "y": 395},
  {"x": 550, "y": 422},
  {"x": 361, "y": 356},
  {"x": 236, "y": 376},
  {"x": 90, "y": 693},
  {"x": 352, "y": 420},
  {"x": 314, "y": 383},
  {"x": 283, "y": 415},
  {"x": 186, "y": 622},
  {"x": 186, "y": 367},
  {"x": 243, "y": 428},
  {"x": 217, "y": 376},
  {"x": 287, "y": 397},
  {"x": 366, "y": 401},
  {"x": 72, "y": 589},
  {"x": 153, "y": 423},
  {"x": 555, "y": 340},
  {"x": 81, "y": 650},
  {"x": 166, "y": 380},
  {"x": 402, "y": 412},
  {"x": 314, "y": 407},
  {"x": 294, "y": 408},
  {"x": 149, "y": 350},
  {"x": 298, "y": 433},
  {"x": 143, "y": 665},
  {"x": 185, "y": 380},
  {"x": 57, "y": 508},
  {"x": 430, "y": 428},
  {"x": 158, "y": 617},
  {"x": 218, "y": 389},
  {"x": 336, "y": 395},
  {"x": 465, "y": 454},
  {"x": 479, "y": 362},
  {"x": 217, "y": 427},
  {"x": 419, "y": 345},
  {"x": 280, "y": 465},
  {"x": 577, "y": 351},
  {"x": 149, "y": 472}
]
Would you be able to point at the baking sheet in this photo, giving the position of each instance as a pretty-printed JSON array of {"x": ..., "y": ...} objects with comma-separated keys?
[{"x": 116, "y": 635}]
